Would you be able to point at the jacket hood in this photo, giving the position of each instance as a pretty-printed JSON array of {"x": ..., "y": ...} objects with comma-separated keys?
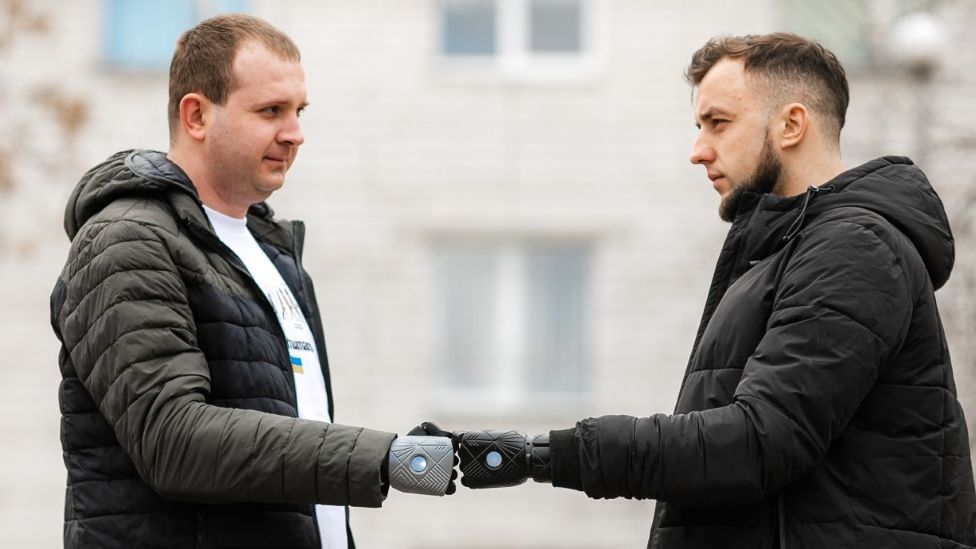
[
  {"x": 150, "y": 174},
  {"x": 891, "y": 186},
  {"x": 124, "y": 174}
]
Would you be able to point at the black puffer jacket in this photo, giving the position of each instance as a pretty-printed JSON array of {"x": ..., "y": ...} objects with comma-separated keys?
[
  {"x": 818, "y": 409},
  {"x": 178, "y": 402}
]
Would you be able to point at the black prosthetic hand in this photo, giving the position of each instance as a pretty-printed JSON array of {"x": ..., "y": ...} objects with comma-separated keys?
[{"x": 493, "y": 459}]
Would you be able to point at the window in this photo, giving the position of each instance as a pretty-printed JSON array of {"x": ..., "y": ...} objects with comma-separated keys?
[
  {"x": 141, "y": 34},
  {"x": 470, "y": 27},
  {"x": 555, "y": 26},
  {"x": 511, "y": 322},
  {"x": 522, "y": 38},
  {"x": 852, "y": 29}
]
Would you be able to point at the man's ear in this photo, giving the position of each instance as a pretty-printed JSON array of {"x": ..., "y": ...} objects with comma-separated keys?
[
  {"x": 795, "y": 121},
  {"x": 194, "y": 115}
]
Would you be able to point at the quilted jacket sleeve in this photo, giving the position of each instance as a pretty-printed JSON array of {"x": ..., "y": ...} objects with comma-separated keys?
[
  {"x": 129, "y": 333},
  {"x": 842, "y": 306}
]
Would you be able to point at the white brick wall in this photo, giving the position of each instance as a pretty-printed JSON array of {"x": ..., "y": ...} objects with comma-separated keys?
[{"x": 398, "y": 152}]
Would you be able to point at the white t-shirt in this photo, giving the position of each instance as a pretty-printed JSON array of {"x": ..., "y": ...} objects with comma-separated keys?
[{"x": 313, "y": 401}]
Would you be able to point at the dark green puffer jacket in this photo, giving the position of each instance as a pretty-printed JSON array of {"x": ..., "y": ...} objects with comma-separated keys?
[
  {"x": 818, "y": 409},
  {"x": 178, "y": 403}
]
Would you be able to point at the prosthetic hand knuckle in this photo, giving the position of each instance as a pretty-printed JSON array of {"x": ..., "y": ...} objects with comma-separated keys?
[
  {"x": 492, "y": 459},
  {"x": 421, "y": 464}
]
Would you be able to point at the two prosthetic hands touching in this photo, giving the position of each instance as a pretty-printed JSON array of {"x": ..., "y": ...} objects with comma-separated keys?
[{"x": 423, "y": 461}]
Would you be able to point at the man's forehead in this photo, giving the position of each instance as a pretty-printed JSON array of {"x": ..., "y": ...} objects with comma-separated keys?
[
  {"x": 723, "y": 90},
  {"x": 260, "y": 73},
  {"x": 709, "y": 105}
]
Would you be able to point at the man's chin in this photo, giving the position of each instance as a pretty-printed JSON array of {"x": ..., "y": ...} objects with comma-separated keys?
[
  {"x": 270, "y": 184},
  {"x": 729, "y": 205}
]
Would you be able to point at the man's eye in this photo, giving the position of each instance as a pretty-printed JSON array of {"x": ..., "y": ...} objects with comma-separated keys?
[
  {"x": 717, "y": 123},
  {"x": 271, "y": 110},
  {"x": 300, "y": 111}
]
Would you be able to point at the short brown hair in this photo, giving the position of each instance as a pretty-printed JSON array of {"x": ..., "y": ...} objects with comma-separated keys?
[
  {"x": 789, "y": 67},
  {"x": 204, "y": 57}
]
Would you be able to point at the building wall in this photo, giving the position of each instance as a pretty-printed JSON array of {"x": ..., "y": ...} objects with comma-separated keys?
[{"x": 400, "y": 153}]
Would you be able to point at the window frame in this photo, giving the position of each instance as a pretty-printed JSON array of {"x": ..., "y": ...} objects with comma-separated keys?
[
  {"x": 513, "y": 60},
  {"x": 510, "y": 390}
]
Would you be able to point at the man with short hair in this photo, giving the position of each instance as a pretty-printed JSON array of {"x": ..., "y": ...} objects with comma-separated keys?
[
  {"x": 196, "y": 400},
  {"x": 818, "y": 408}
]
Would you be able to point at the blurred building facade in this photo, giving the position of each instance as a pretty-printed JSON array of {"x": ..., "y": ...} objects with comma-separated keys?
[{"x": 503, "y": 226}]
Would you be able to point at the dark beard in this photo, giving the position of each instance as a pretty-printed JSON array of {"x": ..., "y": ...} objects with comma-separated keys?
[{"x": 762, "y": 181}]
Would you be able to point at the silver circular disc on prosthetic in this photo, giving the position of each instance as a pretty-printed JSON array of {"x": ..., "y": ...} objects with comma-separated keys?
[
  {"x": 418, "y": 464},
  {"x": 493, "y": 460}
]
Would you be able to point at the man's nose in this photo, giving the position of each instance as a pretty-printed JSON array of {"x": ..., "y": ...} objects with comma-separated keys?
[
  {"x": 701, "y": 152},
  {"x": 292, "y": 133}
]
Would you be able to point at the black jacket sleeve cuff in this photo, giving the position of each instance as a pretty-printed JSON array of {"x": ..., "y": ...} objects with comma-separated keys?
[{"x": 564, "y": 456}]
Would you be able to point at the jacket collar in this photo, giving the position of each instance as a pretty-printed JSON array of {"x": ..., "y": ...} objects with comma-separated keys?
[
  {"x": 892, "y": 187},
  {"x": 155, "y": 166}
]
